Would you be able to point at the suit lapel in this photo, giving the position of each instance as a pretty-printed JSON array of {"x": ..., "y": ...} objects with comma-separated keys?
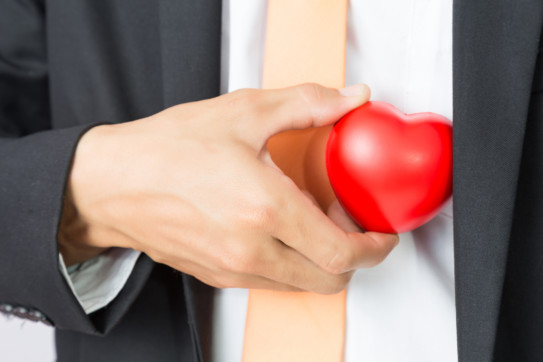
[
  {"x": 495, "y": 48},
  {"x": 190, "y": 35}
]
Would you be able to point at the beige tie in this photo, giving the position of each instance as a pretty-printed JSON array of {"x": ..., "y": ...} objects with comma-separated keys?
[{"x": 305, "y": 42}]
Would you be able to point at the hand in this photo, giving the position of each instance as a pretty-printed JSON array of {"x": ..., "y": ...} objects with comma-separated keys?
[
  {"x": 337, "y": 214},
  {"x": 194, "y": 187}
]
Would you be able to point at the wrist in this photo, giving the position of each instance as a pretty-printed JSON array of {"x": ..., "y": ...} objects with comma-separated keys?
[
  {"x": 74, "y": 241},
  {"x": 81, "y": 235}
]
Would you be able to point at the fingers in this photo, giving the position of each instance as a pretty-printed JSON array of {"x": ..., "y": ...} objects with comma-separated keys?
[
  {"x": 311, "y": 105},
  {"x": 376, "y": 246},
  {"x": 287, "y": 266},
  {"x": 232, "y": 278},
  {"x": 270, "y": 264},
  {"x": 297, "y": 107},
  {"x": 303, "y": 227},
  {"x": 260, "y": 262},
  {"x": 246, "y": 281},
  {"x": 371, "y": 248}
]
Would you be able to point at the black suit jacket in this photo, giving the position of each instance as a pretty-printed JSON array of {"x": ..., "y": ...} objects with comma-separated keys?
[{"x": 68, "y": 64}]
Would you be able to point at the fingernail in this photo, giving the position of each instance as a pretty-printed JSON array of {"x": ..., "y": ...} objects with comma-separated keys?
[{"x": 355, "y": 90}]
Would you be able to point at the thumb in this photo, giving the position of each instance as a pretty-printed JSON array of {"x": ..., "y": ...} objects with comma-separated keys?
[{"x": 309, "y": 105}]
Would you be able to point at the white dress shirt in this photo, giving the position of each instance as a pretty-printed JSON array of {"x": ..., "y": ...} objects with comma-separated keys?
[{"x": 403, "y": 309}]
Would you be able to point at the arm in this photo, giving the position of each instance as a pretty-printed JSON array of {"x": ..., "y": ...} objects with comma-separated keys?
[
  {"x": 194, "y": 187},
  {"x": 34, "y": 167}
]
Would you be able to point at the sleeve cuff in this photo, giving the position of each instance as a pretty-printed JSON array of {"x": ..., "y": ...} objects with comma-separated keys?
[{"x": 96, "y": 282}]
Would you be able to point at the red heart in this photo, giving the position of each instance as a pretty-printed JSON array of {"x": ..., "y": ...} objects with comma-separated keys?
[{"x": 390, "y": 171}]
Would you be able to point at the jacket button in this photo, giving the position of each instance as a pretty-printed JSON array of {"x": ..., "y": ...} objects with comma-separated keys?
[
  {"x": 34, "y": 316},
  {"x": 20, "y": 312},
  {"x": 6, "y": 308},
  {"x": 37, "y": 316}
]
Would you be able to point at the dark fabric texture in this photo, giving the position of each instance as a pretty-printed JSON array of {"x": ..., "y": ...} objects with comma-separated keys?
[
  {"x": 153, "y": 329},
  {"x": 64, "y": 67},
  {"x": 496, "y": 45},
  {"x": 67, "y": 65},
  {"x": 34, "y": 164},
  {"x": 520, "y": 325}
]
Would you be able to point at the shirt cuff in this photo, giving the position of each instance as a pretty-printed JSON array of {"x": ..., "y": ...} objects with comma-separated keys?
[{"x": 96, "y": 282}]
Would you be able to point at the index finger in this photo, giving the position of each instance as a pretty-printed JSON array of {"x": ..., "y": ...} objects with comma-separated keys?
[
  {"x": 304, "y": 227},
  {"x": 300, "y": 107}
]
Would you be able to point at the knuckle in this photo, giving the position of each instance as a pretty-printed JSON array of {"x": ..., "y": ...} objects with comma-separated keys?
[
  {"x": 261, "y": 214},
  {"x": 227, "y": 259},
  {"x": 265, "y": 215},
  {"x": 241, "y": 259},
  {"x": 311, "y": 95},
  {"x": 341, "y": 260},
  {"x": 310, "y": 92}
]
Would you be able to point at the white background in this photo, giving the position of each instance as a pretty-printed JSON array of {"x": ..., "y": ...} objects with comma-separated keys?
[{"x": 25, "y": 341}]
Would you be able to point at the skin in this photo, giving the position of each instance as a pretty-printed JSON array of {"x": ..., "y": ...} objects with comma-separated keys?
[{"x": 194, "y": 187}]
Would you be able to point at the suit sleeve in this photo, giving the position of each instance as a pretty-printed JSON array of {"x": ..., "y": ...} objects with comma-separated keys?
[
  {"x": 35, "y": 162},
  {"x": 96, "y": 282}
]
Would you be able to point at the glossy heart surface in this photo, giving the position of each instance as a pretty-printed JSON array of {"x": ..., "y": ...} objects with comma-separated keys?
[{"x": 390, "y": 171}]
